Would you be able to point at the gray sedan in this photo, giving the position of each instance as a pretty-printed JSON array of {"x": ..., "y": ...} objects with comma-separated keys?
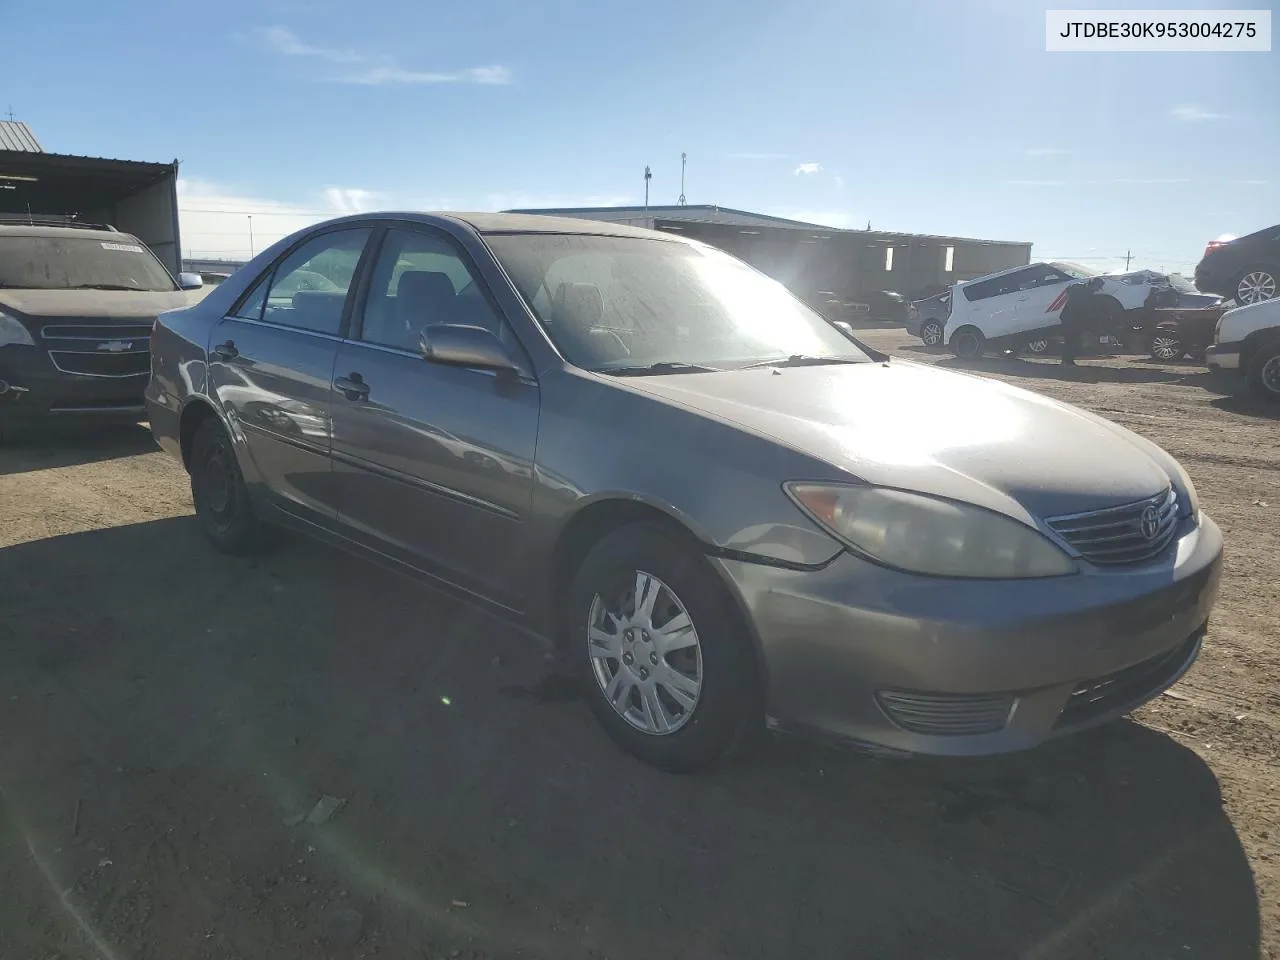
[{"x": 725, "y": 510}]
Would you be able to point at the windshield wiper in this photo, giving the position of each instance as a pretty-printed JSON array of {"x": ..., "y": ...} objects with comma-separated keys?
[
  {"x": 103, "y": 286},
  {"x": 662, "y": 366},
  {"x": 800, "y": 360}
]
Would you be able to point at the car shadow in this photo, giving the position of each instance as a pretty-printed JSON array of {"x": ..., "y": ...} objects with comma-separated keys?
[
  {"x": 185, "y": 713},
  {"x": 1247, "y": 405},
  {"x": 68, "y": 445}
]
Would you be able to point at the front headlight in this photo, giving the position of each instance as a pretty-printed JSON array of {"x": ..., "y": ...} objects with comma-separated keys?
[
  {"x": 11, "y": 331},
  {"x": 1184, "y": 480},
  {"x": 928, "y": 535}
]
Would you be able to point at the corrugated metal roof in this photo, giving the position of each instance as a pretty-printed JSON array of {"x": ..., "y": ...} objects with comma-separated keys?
[
  {"x": 16, "y": 135},
  {"x": 702, "y": 212}
]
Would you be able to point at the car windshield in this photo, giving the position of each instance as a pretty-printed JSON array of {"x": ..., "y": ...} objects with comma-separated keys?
[
  {"x": 1074, "y": 270},
  {"x": 80, "y": 263},
  {"x": 612, "y": 303}
]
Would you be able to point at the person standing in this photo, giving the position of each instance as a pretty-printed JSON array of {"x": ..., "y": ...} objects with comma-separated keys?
[{"x": 1080, "y": 315}]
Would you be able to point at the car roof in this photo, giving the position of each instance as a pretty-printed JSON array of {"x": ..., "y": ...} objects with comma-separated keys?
[
  {"x": 1001, "y": 273},
  {"x": 48, "y": 231},
  {"x": 500, "y": 223}
]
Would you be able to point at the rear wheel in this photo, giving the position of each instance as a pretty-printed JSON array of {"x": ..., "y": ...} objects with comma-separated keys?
[
  {"x": 968, "y": 343},
  {"x": 931, "y": 333},
  {"x": 219, "y": 492},
  {"x": 1264, "y": 372},
  {"x": 1257, "y": 284},
  {"x": 667, "y": 666},
  {"x": 1038, "y": 346},
  {"x": 1167, "y": 346}
]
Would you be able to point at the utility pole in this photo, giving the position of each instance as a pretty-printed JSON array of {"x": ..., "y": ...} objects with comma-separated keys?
[
  {"x": 683, "y": 158},
  {"x": 1128, "y": 255},
  {"x": 251, "y": 236},
  {"x": 647, "y": 177}
]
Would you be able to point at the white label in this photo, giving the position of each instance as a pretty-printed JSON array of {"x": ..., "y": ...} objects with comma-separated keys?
[
  {"x": 126, "y": 247},
  {"x": 1158, "y": 31}
]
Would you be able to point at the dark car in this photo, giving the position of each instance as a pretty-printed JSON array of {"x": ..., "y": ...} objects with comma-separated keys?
[
  {"x": 724, "y": 510},
  {"x": 76, "y": 309},
  {"x": 1246, "y": 270},
  {"x": 927, "y": 318}
]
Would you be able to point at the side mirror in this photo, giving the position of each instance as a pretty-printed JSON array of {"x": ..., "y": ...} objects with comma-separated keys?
[
  {"x": 844, "y": 327},
  {"x": 190, "y": 281},
  {"x": 464, "y": 346}
]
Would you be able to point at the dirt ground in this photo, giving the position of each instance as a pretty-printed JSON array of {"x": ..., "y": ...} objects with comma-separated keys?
[{"x": 169, "y": 716}]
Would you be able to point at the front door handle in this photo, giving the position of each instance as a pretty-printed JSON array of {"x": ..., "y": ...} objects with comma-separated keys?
[
  {"x": 225, "y": 351},
  {"x": 352, "y": 387}
]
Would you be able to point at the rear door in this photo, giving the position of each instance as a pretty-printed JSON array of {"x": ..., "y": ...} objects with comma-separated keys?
[
  {"x": 271, "y": 362},
  {"x": 1027, "y": 302},
  {"x": 434, "y": 463}
]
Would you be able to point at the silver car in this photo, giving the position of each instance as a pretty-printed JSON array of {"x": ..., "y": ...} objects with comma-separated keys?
[{"x": 726, "y": 510}]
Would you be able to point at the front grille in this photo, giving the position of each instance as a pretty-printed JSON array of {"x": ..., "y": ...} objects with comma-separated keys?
[
  {"x": 131, "y": 330},
  {"x": 101, "y": 349},
  {"x": 1130, "y": 686},
  {"x": 1126, "y": 534},
  {"x": 86, "y": 363},
  {"x": 947, "y": 714}
]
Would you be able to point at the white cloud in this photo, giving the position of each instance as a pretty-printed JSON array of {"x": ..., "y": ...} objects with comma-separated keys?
[
  {"x": 375, "y": 70},
  {"x": 1189, "y": 113},
  {"x": 808, "y": 169},
  {"x": 284, "y": 41}
]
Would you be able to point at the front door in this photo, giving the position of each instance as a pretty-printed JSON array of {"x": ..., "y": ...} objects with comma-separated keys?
[
  {"x": 434, "y": 463},
  {"x": 271, "y": 363}
]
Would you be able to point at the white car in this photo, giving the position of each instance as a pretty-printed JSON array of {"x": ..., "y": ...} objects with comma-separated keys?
[
  {"x": 1023, "y": 306},
  {"x": 1246, "y": 345}
]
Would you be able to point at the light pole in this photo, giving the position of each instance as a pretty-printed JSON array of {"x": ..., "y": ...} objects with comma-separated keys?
[{"x": 251, "y": 236}]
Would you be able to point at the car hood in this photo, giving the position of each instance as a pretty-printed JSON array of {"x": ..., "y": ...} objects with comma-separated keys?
[
  {"x": 92, "y": 303},
  {"x": 915, "y": 427}
]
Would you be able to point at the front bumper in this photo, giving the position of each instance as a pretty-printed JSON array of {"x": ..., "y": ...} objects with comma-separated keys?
[
  {"x": 1223, "y": 356},
  {"x": 36, "y": 389},
  {"x": 953, "y": 667}
]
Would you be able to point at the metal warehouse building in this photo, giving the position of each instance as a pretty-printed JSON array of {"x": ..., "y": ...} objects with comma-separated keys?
[
  {"x": 133, "y": 196},
  {"x": 809, "y": 258}
]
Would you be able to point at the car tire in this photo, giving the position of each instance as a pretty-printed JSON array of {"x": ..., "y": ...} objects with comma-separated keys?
[
  {"x": 1256, "y": 284},
  {"x": 968, "y": 343},
  {"x": 1166, "y": 346},
  {"x": 931, "y": 333},
  {"x": 1264, "y": 372},
  {"x": 218, "y": 490},
  {"x": 705, "y": 692}
]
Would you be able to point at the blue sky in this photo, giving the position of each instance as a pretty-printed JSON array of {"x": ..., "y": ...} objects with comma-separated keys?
[{"x": 938, "y": 117}]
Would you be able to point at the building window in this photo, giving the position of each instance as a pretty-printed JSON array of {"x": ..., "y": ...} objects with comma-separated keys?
[
  {"x": 888, "y": 259},
  {"x": 948, "y": 259}
]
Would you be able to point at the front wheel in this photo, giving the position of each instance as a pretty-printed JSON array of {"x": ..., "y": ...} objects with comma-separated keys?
[
  {"x": 931, "y": 333},
  {"x": 219, "y": 492},
  {"x": 1038, "y": 346},
  {"x": 667, "y": 666},
  {"x": 968, "y": 343},
  {"x": 1264, "y": 372},
  {"x": 1167, "y": 347}
]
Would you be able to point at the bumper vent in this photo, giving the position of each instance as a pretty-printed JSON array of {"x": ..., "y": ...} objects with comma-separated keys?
[
  {"x": 1126, "y": 534},
  {"x": 946, "y": 714},
  {"x": 1129, "y": 687}
]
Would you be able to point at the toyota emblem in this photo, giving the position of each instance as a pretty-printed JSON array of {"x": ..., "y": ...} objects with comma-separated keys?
[{"x": 1150, "y": 522}]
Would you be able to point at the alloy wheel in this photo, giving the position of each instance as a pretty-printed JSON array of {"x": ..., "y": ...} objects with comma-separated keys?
[
  {"x": 1165, "y": 347},
  {"x": 931, "y": 333},
  {"x": 1256, "y": 286},
  {"x": 645, "y": 654},
  {"x": 1038, "y": 346},
  {"x": 1270, "y": 375}
]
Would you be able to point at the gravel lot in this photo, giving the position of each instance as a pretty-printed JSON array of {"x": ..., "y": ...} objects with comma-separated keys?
[{"x": 169, "y": 715}]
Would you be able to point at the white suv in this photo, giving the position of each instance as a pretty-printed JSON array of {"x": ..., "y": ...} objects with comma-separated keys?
[
  {"x": 1246, "y": 344},
  {"x": 1016, "y": 308}
]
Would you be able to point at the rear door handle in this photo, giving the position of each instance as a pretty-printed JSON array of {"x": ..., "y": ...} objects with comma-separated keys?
[
  {"x": 352, "y": 387},
  {"x": 225, "y": 351}
]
